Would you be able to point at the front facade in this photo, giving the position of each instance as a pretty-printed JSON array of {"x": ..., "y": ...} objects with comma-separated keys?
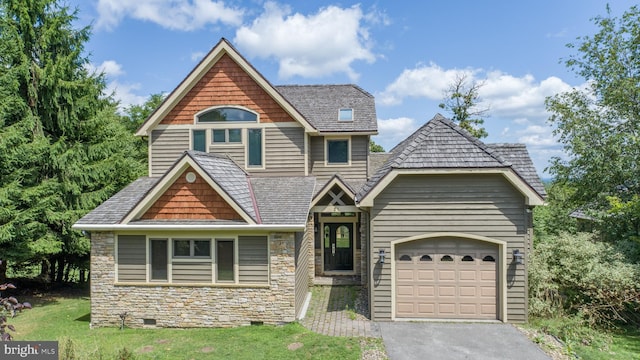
[{"x": 254, "y": 190}]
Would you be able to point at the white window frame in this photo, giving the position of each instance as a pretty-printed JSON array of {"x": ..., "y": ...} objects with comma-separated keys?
[
  {"x": 197, "y": 115},
  {"x": 326, "y": 151},
  {"x": 236, "y": 265},
  {"x": 263, "y": 153},
  {"x": 340, "y": 119},
  {"x": 192, "y": 255},
  {"x": 226, "y": 136}
]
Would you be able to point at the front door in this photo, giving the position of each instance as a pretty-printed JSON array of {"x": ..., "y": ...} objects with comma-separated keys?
[{"x": 338, "y": 246}]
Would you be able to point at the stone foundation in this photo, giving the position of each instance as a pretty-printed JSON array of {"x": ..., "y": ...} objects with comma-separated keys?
[{"x": 171, "y": 305}]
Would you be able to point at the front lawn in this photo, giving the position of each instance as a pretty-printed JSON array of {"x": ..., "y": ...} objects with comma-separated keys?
[{"x": 67, "y": 319}]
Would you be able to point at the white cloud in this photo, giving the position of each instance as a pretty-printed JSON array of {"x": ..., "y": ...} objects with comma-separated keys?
[
  {"x": 392, "y": 131},
  {"x": 197, "y": 56},
  {"x": 125, "y": 94},
  {"x": 428, "y": 81},
  {"x": 183, "y": 15},
  {"x": 314, "y": 45}
]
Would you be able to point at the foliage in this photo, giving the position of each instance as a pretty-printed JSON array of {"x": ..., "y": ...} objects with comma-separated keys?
[
  {"x": 599, "y": 126},
  {"x": 59, "y": 318},
  {"x": 553, "y": 218},
  {"x": 461, "y": 100},
  {"x": 134, "y": 117},
  {"x": 63, "y": 149},
  {"x": 576, "y": 274},
  {"x": 10, "y": 305},
  {"x": 375, "y": 148}
]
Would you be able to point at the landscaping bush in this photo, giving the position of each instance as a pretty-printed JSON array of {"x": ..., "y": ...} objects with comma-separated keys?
[{"x": 576, "y": 274}]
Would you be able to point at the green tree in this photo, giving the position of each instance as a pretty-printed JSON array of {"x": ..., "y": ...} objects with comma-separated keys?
[
  {"x": 375, "y": 148},
  {"x": 63, "y": 148},
  {"x": 599, "y": 125},
  {"x": 462, "y": 101},
  {"x": 135, "y": 115}
]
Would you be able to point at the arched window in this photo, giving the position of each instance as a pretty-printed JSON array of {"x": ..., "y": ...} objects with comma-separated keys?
[
  {"x": 405, "y": 258},
  {"x": 489, "y": 258},
  {"x": 222, "y": 114},
  {"x": 467, "y": 258},
  {"x": 446, "y": 258},
  {"x": 426, "y": 258}
]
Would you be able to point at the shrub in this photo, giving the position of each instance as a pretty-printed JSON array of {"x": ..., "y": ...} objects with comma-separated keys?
[
  {"x": 578, "y": 275},
  {"x": 9, "y": 305}
]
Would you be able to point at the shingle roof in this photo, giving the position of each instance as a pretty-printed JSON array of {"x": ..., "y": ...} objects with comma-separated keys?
[
  {"x": 320, "y": 104},
  {"x": 518, "y": 156},
  {"x": 283, "y": 200},
  {"x": 118, "y": 206},
  {"x": 230, "y": 177},
  {"x": 441, "y": 144},
  {"x": 376, "y": 160},
  {"x": 268, "y": 200}
]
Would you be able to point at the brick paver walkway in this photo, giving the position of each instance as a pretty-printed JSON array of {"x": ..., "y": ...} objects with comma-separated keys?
[{"x": 339, "y": 311}]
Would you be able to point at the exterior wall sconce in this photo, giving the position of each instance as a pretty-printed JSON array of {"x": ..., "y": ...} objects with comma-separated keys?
[
  {"x": 518, "y": 257},
  {"x": 382, "y": 255}
]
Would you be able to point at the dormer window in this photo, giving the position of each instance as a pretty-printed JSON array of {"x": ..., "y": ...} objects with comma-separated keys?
[
  {"x": 222, "y": 114},
  {"x": 345, "y": 115}
]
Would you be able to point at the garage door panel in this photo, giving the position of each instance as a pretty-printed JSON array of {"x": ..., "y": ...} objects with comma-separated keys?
[
  {"x": 467, "y": 275},
  {"x": 429, "y": 286},
  {"x": 467, "y": 291},
  {"x": 426, "y": 291},
  {"x": 405, "y": 290},
  {"x": 426, "y": 275}
]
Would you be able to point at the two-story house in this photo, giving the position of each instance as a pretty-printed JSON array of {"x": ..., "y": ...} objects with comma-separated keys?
[{"x": 255, "y": 189}]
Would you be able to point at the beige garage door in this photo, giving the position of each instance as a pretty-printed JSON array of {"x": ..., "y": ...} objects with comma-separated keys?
[{"x": 446, "y": 278}]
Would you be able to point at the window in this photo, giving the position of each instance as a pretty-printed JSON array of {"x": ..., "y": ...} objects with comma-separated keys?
[
  {"x": 446, "y": 258},
  {"x": 199, "y": 140},
  {"x": 488, "y": 258},
  {"x": 467, "y": 258},
  {"x": 338, "y": 151},
  {"x": 426, "y": 258},
  {"x": 254, "y": 148},
  {"x": 405, "y": 258},
  {"x": 342, "y": 237},
  {"x": 158, "y": 259},
  {"x": 226, "y": 114},
  {"x": 191, "y": 248},
  {"x": 345, "y": 115},
  {"x": 224, "y": 260},
  {"x": 226, "y": 136}
]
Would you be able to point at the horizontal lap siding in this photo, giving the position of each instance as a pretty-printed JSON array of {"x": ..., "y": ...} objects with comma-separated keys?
[
  {"x": 166, "y": 147},
  {"x": 284, "y": 151},
  {"x": 132, "y": 252},
  {"x": 356, "y": 172},
  {"x": 191, "y": 272},
  {"x": 253, "y": 257},
  {"x": 485, "y": 205},
  {"x": 235, "y": 152}
]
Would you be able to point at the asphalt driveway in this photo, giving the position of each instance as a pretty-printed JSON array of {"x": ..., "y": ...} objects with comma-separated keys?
[{"x": 453, "y": 341}]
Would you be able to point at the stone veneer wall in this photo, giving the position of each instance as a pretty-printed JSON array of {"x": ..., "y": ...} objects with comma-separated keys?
[{"x": 192, "y": 306}]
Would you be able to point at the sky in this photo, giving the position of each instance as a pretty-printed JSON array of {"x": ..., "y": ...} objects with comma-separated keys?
[{"x": 405, "y": 53}]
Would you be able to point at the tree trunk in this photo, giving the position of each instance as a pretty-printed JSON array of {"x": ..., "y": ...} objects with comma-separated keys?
[
  {"x": 81, "y": 276},
  {"x": 3, "y": 271},
  {"x": 52, "y": 270},
  {"x": 60, "y": 270},
  {"x": 44, "y": 271}
]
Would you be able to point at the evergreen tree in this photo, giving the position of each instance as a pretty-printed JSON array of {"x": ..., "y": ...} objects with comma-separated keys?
[{"x": 63, "y": 148}]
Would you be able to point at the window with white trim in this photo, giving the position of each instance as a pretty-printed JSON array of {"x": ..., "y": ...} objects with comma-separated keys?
[
  {"x": 226, "y": 136},
  {"x": 338, "y": 151},
  {"x": 226, "y": 113},
  {"x": 225, "y": 262},
  {"x": 345, "y": 115},
  {"x": 192, "y": 248}
]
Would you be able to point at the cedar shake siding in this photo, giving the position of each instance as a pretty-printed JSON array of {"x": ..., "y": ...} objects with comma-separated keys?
[
  {"x": 482, "y": 204},
  {"x": 226, "y": 83},
  {"x": 166, "y": 146},
  {"x": 195, "y": 201},
  {"x": 356, "y": 172}
]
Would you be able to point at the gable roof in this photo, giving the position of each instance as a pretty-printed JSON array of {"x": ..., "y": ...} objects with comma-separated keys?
[
  {"x": 440, "y": 144},
  {"x": 518, "y": 156},
  {"x": 223, "y": 47},
  {"x": 265, "y": 202},
  {"x": 320, "y": 105}
]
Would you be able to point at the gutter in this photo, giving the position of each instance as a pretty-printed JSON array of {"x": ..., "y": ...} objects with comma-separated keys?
[{"x": 226, "y": 227}]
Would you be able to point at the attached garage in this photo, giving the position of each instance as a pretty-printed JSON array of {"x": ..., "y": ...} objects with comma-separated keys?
[{"x": 447, "y": 278}]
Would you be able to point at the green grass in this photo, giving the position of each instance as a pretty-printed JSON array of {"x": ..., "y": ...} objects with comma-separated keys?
[
  {"x": 65, "y": 318},
  {"x": 589, "y": 343}
]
